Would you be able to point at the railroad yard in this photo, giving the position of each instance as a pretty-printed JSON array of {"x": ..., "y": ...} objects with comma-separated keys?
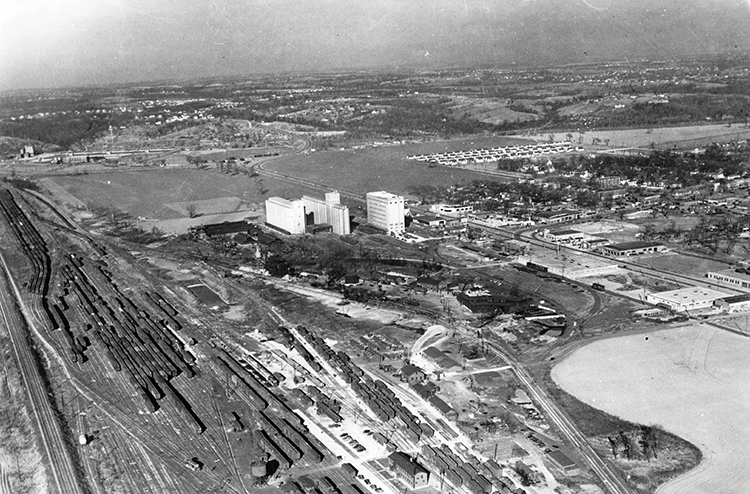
[{"x": 166, "y": 397}]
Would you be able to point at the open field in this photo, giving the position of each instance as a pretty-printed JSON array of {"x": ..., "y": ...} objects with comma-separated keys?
[
  {"x": 684, "y": 137},
  {"x": 165, "y": 193},
  {"x": 690, "y": 380},
  {"x": 363, "y": 170},
  {"x": 494, "y": 111}
]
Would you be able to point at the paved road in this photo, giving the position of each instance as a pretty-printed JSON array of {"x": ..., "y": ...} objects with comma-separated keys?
[
  {"x": 62, "y": 472},
  {"x": 610, "y": 480}
]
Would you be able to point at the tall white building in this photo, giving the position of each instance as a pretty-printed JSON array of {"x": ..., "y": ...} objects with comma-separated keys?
[
  {"x": 294, "y": 216},
  {"x": 317, "y": 207},
  {"x": 386, "y": 211},
  {"x": 288, "y": 216},
  {"x": 338, "y": 218}
]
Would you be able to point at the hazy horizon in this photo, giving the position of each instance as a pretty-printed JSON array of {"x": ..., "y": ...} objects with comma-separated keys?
[{"x": 46, "y": 43}]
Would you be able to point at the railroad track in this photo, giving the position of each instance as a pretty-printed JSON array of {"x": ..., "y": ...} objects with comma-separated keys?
[
  {"x": 59, "y": 461},
  {"x": 611, "y": 481}
]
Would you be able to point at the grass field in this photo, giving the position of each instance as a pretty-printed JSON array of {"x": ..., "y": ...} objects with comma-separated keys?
[
  {"x": 684, "y": 137},
  {"x": 363, "y": 170},
  {"x": 164, "y": 193},
  {"x": 690, "y": 380}
]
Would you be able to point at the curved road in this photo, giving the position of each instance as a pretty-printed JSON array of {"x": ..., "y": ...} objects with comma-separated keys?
[{"x": 62, "y": 472}]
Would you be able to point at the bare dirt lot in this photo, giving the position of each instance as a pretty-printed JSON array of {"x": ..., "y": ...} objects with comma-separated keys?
[{"x": 690, "y": 380}]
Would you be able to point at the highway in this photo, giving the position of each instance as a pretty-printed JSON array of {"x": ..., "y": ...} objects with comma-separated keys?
[
  {"x": 59, "y": 464},
  {"x": 610, "y": 480}
]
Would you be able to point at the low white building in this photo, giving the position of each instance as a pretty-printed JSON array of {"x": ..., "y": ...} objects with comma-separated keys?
[
  {"x": 730, "y": 276},
  {"x": 451, "y": 209},
  {"x": 686, "y": 299}
]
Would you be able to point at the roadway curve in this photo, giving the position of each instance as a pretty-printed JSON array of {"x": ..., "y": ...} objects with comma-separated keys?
[
  {"x": 307, "y": 183},
  {"x": 59, "y": 462},
  {"x": 608, "y": 477}
]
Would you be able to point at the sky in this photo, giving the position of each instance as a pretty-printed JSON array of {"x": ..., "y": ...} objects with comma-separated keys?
[{"x": 61, "y": 43}]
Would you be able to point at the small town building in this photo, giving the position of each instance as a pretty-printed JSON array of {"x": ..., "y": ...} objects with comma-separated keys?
[
  {"x": 440, "y": 358},
  {"x": 409, "y": 471},
  {"x": 412, "y": 374},
  {"x": 611, "y": 182},
  {"x": 633, "y": 248},
  {"x": 225, "y": 228},
  {"x": 737, "y": 303},
  {"x": 430, "y": 220},
  {"x": 425, "y": 390},
  {"x": 443, "y": 407},
  {"x": 431, "y": 283},
  {"x": 563, "y": 236},
  {"x": 480, "y": 303},
  {"x": 351, "y": 280},
  {"x": 451, "y": 209},
  {"x": 559, "y": 216},
  {"x": 592, "y": 243},
  {"x": 560, "y": 461}
]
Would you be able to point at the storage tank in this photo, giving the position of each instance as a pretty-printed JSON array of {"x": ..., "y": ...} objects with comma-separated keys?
[{"x": 258, "y": 468}]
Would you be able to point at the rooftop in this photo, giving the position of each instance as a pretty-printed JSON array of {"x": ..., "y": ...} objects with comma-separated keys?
[
  {"x": 410, "y": 369},
  {"x": 736, "y": 299},
  {"x": 560, "y": 458},
  {"x": 635, "y": 245},
  {"x": 731, "y": 273},
  {"x": 404, "y": 461},
  {"x": 383, "y": 195},
  {"x": 565, "y": 232},
  {"x": 693, "y": 294}
]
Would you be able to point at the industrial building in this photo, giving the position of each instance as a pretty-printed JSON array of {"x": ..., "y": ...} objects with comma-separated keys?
[
  {"x": 451, "y": 209},
  {"x": 559, "y": 216},
  {"x": 296, "y": 216},
  {"x": 737, "y": 303},
  {"x": 563, "y": 236},
  {"x": 409, "y": 471},
  {"x": 633, "y": 248},
  {"x": 329, "y": 211},
  {"x": 386, "y": 211},
  {"x": 731, "y": 277},
  {"x": 284, "y": 215},
  {"x": 569, "y": 265},
  {"x": 563, "y": 463},
  {"x": 686, "y": 299}
]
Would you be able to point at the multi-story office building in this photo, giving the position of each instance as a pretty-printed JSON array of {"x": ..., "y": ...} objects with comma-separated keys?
[{"x": 386, "y": 211}]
